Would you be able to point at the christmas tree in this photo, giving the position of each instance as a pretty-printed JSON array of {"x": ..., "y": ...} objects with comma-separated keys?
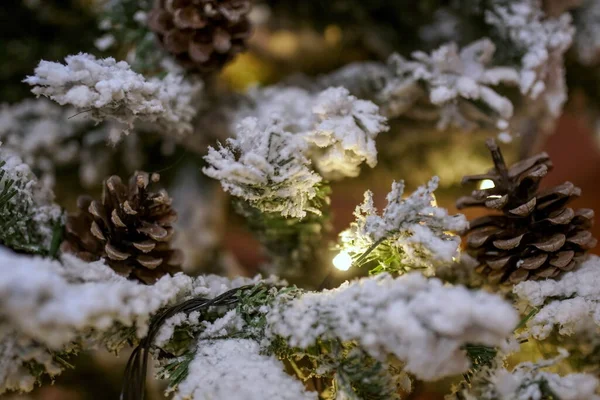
[{"x": 176, "y": 187}]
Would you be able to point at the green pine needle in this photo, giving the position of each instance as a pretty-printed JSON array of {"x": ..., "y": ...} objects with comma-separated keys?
[
  {"x": 177, "y": 370},
  {"x": 480, "y": 356}
]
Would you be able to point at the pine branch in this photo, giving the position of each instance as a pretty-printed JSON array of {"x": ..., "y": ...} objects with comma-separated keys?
[
  {"x": 359, "y": 376},
  {"x": 292, "y": 244},
  {"x": 411, "y": 233},
  {"x": 29, "y": 222},
  {"x": 481, "y": 357},
  {"x": 176, "y": 370},
  {"x": 126, "y": 33}
]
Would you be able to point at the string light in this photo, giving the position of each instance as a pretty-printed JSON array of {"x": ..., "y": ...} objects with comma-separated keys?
[
  {"x": 343, "y": 261},
  {"x": 433, "y": 200},
  {"x": 486, "y": 184}
]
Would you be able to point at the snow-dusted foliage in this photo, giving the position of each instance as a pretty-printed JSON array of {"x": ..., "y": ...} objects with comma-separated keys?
[
  {"x": 527, "y": 381},
  {"x": 340, "y": 128},
  {"x": 28, "y": 216},
  {"x": 344, "y": 135},
  {"x": 49, "y": 307},
  {"x": 49, "y": 138},
  {"x": 364, "y": 80},
  {"x": 587, "y": 37},
  {"x": 570, "y": 304},
  {"x": 108, "y": 89},
  {"x": 18, "y": 354},
  {"x": 266, "y": 166},
  {"x": 414, "y": 232},
  {"x": 541, "y": 43},
  {"x": 418, "y": 320},
  {"x": 290, "y": 106},
  {"x": 236, "y": 369},
  {"x": 450, "y": 74},
  {"x": 67, "y": 306},
  {"x": 41, "y": 133}
]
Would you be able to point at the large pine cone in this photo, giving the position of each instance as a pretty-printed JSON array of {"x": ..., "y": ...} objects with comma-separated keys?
[
  {"x": 536, "y": 235},
  {"x": 130, "y": 228},
  {"x": 202, "y": 34}
]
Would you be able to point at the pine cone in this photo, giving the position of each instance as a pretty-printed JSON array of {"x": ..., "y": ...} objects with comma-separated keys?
[
  {"x": 203, "y": 35},
  {"x": 536, "y": 235},
  {"x": 130, "y": 228}
]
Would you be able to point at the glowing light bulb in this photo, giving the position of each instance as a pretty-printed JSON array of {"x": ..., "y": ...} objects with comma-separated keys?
[
  {"x": 342, "y": 261},
  {"x": 486, "y": 184},
  {"x": 433, "y": 200}
]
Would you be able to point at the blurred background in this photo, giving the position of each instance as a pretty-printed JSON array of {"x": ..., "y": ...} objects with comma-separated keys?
[{"x": 291, "y": 40}]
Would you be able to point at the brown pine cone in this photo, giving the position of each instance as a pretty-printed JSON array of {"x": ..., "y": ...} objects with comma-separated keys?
[
  {"x": 203, "y": 35},
  {"x": 130, "y": 228},
  {"x": 534, "y": 234}
]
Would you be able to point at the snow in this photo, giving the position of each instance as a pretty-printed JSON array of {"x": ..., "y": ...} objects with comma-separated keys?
[
  {"x": 345, "y": 133},
  {"x": 416, "y": 226},
  {"x": 542, "y": 42},
  {"x": 339, "y": 128},
  {"x": 235, "y": 369},
  {"x": 47, "y": 137},
  {"x": 108, "y": 89},
  {"x": 227, "y": 325},
  {"x": 16, "y": 349},
  {"x": 451, "y": 74},
  {"x": 421, "y": 322},
  {"x": 527, "y": 381},
  {"x": 291, "y": 107},
  {"x": 49, "y": 306},
  {"x": 266, "y": 166},
  {"x": 570, "y": 304},
  {"x": 31, "y": 210}
]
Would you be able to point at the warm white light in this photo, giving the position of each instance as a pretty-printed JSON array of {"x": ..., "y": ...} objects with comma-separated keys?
[
  {"x": 342, "y": 261},
  {"x": 486, "y": 184}
]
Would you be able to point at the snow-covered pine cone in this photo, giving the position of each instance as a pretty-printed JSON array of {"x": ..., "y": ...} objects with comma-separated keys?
[
  {"x": 203, "y": 35},
  {"x": 130, "y": 228},
  {"x": 533, "y": 234}
]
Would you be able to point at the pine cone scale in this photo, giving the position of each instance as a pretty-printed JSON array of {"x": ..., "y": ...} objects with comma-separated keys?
[
  {"x": 114, "y": 254},
  {"x": 145, "y": 247},
  {"x": 149, "y": 261},
  {"x": 534, "y": 262},
  {"x": 562, "y": 259},
  {"x": 188, "y": 18},
  {"x": 508, "y": 244},
  {"x": 551, "y": 244}
]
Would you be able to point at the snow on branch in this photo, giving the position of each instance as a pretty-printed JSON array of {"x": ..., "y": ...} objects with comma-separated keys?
[
  {"x": 450, "y": 73},
  {"x": 570, "y": 304},
  {"x": 339, "y": 128},
  {"x": 541, "y": 43},
  {"x": 42, "y": 134},
  {"x": 49, "y": 307},
  {"x": 237, "y": 369},
  {"x": 57, "y": 309},
  {"x": 420, "y": 321},
  {"x": 290, "y": 107},
  {"x": 344, "y": 135},
  {"x": 410, "y": 233},
  {"x": 527, "y": 381},
  {"x": 45, "y": 136},
  {"x": 108, "y": 89},
  {"x": 28, "y": 215},
  {"x": 266, "y": 166}
]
